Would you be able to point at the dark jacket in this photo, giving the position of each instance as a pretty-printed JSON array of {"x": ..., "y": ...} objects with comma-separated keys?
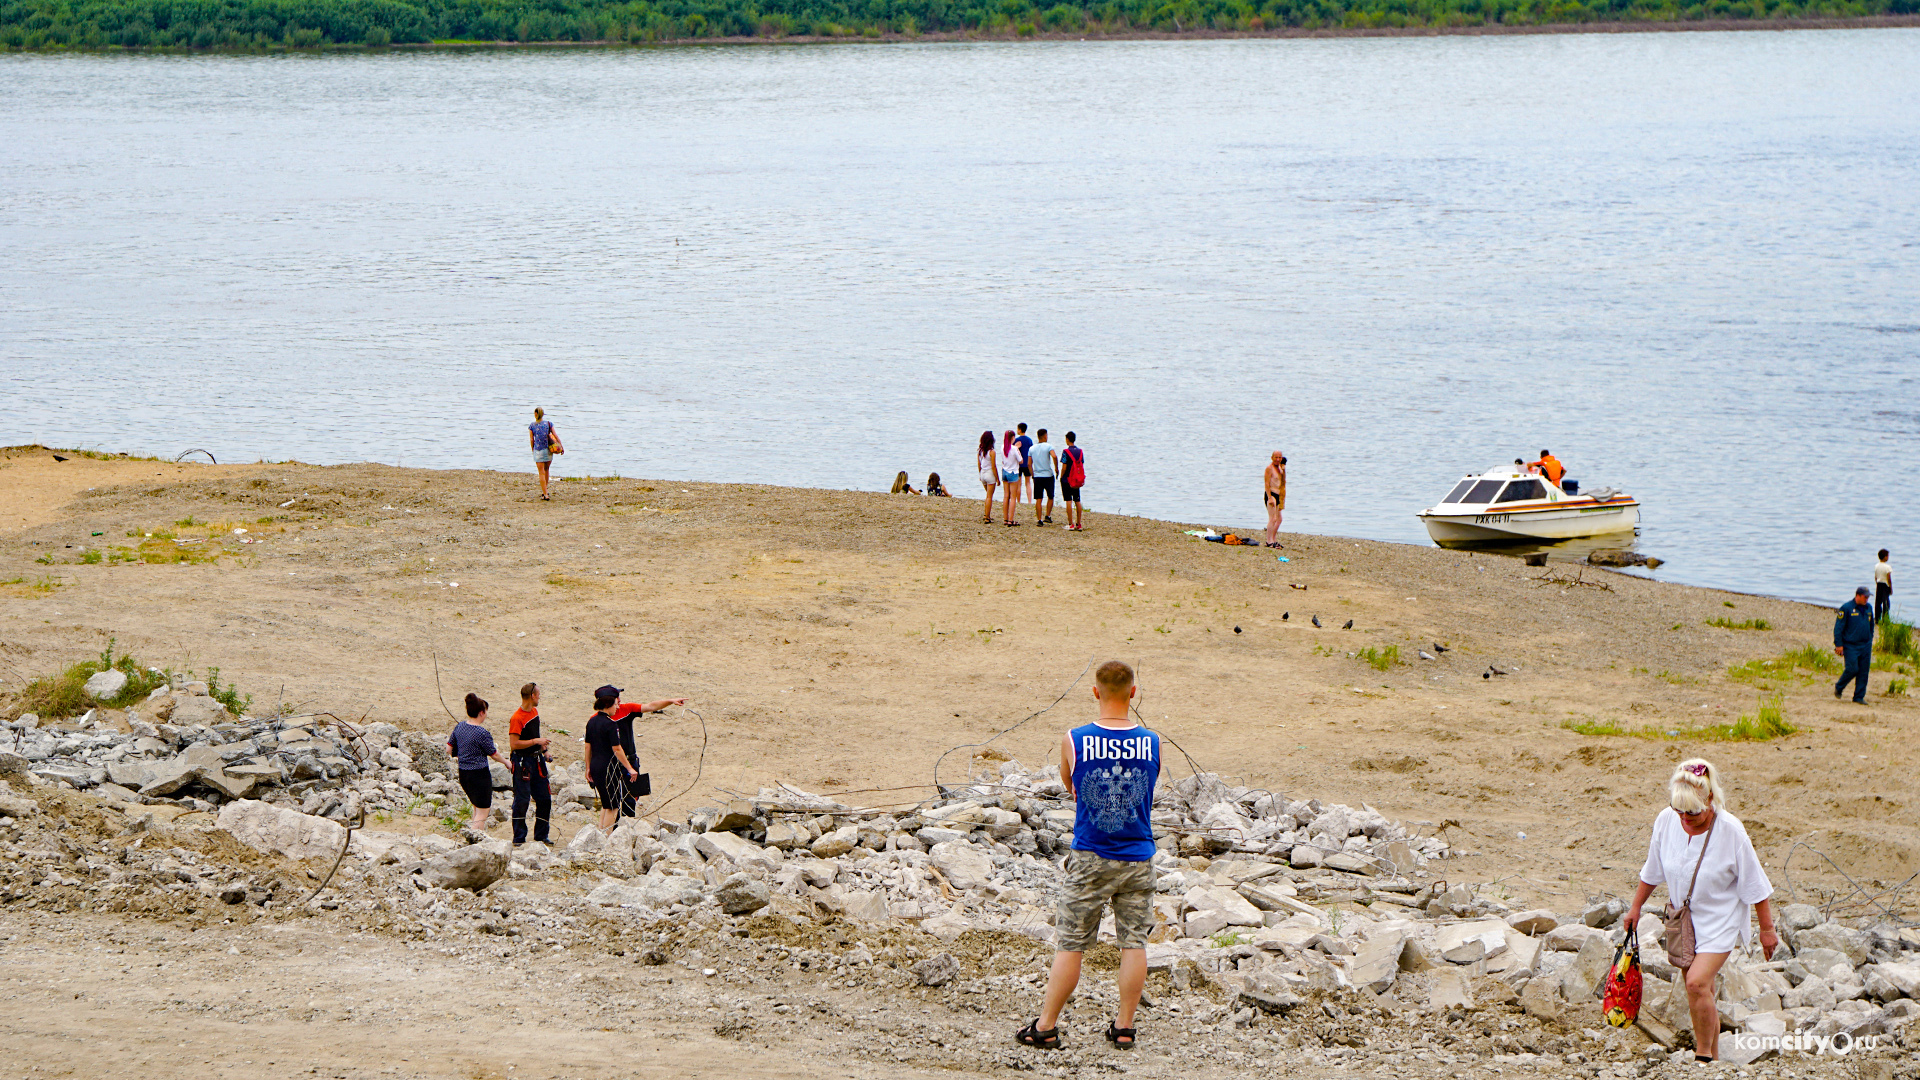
[{"x": 1854, "y": 625}]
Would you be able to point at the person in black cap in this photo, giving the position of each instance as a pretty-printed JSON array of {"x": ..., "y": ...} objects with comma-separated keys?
[
  {"x": 1853, "y": 642},
  {"x": 609, "y": 739}
]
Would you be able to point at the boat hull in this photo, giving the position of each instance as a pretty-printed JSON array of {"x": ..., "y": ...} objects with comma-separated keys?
[{"x": 1553, "y": 523}]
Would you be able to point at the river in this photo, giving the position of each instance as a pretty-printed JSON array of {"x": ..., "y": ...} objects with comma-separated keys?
[{"x": 1687, "y": 263}]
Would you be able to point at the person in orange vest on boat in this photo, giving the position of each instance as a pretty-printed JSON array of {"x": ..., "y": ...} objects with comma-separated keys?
[{"x": 1549, "y": 465}]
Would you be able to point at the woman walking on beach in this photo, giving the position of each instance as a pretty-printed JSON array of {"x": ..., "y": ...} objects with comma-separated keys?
[
  {"x": 546, "y": 443},
  {"x": 1703, "y": 856},
  {"x": 989, "y": 463},
  {"x": 472, "y": 744},
  {"x": 1010, "y": 477}
]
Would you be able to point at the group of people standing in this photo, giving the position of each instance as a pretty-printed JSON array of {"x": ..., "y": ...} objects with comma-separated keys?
[
  {"x": 611, "y": 760},
  {"x": 1020, "y": 467}
]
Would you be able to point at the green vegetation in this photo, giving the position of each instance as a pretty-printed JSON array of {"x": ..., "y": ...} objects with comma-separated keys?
[
  {"x": 1381, "y": 659},
  {"x": 1897, "y": 639},
  {"x": 259, "y": 25},
  {"x": 1768, "y": 721},
  {"x": 1896, "y": 687},
  {"x": 1788, "y": 665},
  {"x": 55, "y": 696},
  {"x": 1725, "y": 623}
]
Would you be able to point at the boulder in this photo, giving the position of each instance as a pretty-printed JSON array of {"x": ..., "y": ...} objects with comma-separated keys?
[
  {"x": 12, "y": 764},
  {"x": 1522, "y": 955},
  {"x": 1541, "y": 999},
  {"x": 106, "y": 685},
  {"x": 1903, "y": 978},
  {"x": 1304, "y": 857},
  {"x": 1831, "y": 935},
  {"x": 588, "y": 839},
  {"x": 669, "y": 889},
  {"x": 948, "y": 925},
  {"x": 1348, "y": 863},
  {"x": 1813, "y": 992},
  {"x": 395, "y": 758},
  {"x": 1589, "y": 967},
  {"x": 1199, "y": 924},
  {"x": 1448, "y": 990},
  {"x": 838, "y": 842},
  {"x": 785, "y": 836},
  {"x": 1271, "y": 1002},
  {"x": 742, "y": 894},
  {"x": 275, "y": 829},
  {"x": 1827, "y": 964},
  {"x": 1376, "y": 962},
  {"x": 735, "y": 848},
  {"x": 472, "y": 868},
  {"x": 1466, "y": 942},
  {"x": 965, "y": 866},
  {"x": 1570, "y": 937},
  {"x": 1533, "y": 922},
  {"x": 866, "y": 905},
  {"x": 734, "y": 816},
  {"x": 1800, "y": 916},
  {"x": 931, "y": 835},
  {"x": 1236, "y": 909},
  {"x": 191, "y": 767},
  {"x": 192, "y": 710},
  {"x": 1603, "y": 913}
]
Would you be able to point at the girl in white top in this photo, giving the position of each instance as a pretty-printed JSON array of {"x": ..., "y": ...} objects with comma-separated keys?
[
  {"x": 1697, "y": 830},
  {"x": 989, "y": 473}
]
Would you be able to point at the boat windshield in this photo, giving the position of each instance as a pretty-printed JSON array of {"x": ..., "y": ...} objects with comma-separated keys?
[
  {"x": 1482, "y": 492},
  {"x": 1459, "y": 490},
  {"x": 1522, "y": 490}
]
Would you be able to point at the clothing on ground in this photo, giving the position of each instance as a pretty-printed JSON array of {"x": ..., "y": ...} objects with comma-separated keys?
[
  {"x": 1092, "y": 884},
  {"x": 472, "y": 744},
  {"x": 1731, "y": 878},
  {"x": 1114, "y": 772}
]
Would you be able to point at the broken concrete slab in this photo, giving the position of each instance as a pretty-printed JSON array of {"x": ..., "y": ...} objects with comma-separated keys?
[
  {"x": 1448, "y": 990},
  {"x": 1533, "y": 922},
  {"x": 965, "y": 866},
  {"x": 1466, "y": 942},
  {"x": 1376, "y": 961}
]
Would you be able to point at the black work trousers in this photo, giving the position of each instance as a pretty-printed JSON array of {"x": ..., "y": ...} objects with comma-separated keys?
[{"x": 530, "y": 785}]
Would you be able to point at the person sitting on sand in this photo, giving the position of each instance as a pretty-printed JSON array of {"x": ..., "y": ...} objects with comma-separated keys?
[
  {"x": 901, "y": 486},
  {"x": 1275, "y": 479},
  {"x": 933, "y": 487},
  {"x": 989, "y": 462},
  {"x": 472, "y": 744},
  {"x": 1109, "y": 768}
]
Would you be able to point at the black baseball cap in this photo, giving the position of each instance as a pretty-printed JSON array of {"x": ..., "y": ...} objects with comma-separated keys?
[{"x": 608, "y": 691}]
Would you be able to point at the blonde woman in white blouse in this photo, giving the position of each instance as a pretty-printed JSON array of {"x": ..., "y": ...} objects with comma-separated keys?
[{"x": 1730, "y": 882}]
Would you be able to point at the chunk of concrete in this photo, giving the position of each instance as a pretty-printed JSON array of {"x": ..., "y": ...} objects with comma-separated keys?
[
  {"x": 1376, "y": 962},
  {"x": 1533, "y": 922},
  {"x": 737, "y": 849},
  {"x": 1842, "y": 939},
  {"x": 1570, "y": 937},
  {"x": 965, "y": 866},
  {"x": 1448, "y": 990},
  {"x": 1235, "y": 907},
  {"x": 838, "y": 842},
  {"x": 1466, "y": 942},
  {"x": 472, "y": 868},
  {"x": 742, "y": 894},
  {"x": 1541, "y": 999},
  {"x": 192, "y": 710},
  {"x": 275, "y": 829}
]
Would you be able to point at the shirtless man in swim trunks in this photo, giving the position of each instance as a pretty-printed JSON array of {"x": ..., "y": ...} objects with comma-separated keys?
[{"x": 1276, "y": 482}]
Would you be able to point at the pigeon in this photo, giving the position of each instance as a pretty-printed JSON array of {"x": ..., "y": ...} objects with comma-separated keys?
[
  {"x": 1236, "y": 629},
  {"x": 1491, "y": 670},
  {"x": 1285, "y": 615},
  {"x": 1423, "y": 654},
  {"x": 1437, "y": 647},
  {"x": 1349, "y": 625},
  {"x": 57, "y": 457},
  {"x": 1316, "y": 620}
]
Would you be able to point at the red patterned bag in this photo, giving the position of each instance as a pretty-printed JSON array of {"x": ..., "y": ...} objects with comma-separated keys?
[{"x": 1621, "y": 1006}]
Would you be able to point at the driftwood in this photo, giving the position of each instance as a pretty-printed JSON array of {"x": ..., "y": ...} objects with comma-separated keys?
[{"x": 1579, "y": 578}]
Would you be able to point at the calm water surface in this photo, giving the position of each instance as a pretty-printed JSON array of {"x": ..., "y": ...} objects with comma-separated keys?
[{"x": 1689, "y": 264}]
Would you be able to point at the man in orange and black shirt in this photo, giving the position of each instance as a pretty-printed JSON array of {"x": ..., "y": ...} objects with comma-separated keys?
[
  {"x": 1550, "y": 466},
  {"x": 528, "y": 749}
]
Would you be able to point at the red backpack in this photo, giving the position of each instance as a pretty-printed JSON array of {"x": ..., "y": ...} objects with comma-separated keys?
[{"x": 1076, "y": 467}]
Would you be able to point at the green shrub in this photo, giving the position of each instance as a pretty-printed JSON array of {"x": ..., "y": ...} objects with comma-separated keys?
[
  {"x": 1725, "y": 623},
  {"x": 1897, "y": 639},
  {"x": 56, "y": 697},
  {"x": 1381, "y": 659}
]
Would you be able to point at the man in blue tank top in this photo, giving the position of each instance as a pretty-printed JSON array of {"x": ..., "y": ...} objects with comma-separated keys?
[{"x": 1109, "y": 767}]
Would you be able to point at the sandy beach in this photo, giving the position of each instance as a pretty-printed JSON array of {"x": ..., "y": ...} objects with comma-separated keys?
[{"x": 843, "y": 641}]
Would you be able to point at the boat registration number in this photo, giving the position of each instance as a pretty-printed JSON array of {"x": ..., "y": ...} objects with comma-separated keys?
[{"x": 1490, "y": 519}]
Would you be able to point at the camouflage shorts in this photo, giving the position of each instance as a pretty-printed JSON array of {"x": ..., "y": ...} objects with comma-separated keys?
[{"x": 1091, "y": 883}]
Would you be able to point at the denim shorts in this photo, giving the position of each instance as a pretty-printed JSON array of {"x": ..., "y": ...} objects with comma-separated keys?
[{"x": 541, "y": 457}]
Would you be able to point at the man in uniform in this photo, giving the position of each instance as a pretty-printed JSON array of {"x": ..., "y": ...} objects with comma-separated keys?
[{"x": 1853, "y": 641}]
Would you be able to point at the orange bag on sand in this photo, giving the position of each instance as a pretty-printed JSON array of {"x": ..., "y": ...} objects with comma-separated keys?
[{"x": 1621, "y": 1006}]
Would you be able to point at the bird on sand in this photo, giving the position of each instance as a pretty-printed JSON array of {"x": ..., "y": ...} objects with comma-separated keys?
[
  {"x": 1437, "y": 647},
  {"x": 1349, "y": 625},
  {"x": 1285, "y": 615},
  {"x": 1316, "y": 620}
]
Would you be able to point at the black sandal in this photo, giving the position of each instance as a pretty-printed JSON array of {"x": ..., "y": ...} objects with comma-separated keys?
[
  {"x": 1115, "y": 1034},
  {"x": 1031, "y": 1035}
]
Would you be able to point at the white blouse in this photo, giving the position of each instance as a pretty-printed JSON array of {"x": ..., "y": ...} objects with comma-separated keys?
[{"x": 1731, "y": 878}]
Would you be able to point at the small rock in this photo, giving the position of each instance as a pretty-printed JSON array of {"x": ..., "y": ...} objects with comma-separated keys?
[
  {"x": 106, "y": 685},
  {"x": 742, "y": 895},
  {"x": 937, "y": 970},
  {"x": 1800, "y": 916},
  {"x": 734, "y": 817},
  {"x": 837, "y": 843},
  {"x": 1603, "y": 913},
  {"x": 1534, "y": 922},
  {"x": 473, "y": 867},
  {"x": 1271, "y": 1002},
  {"x": 1541, "y": 999}
]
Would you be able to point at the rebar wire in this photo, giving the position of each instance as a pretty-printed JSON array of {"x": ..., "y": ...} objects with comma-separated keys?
[
  {"x": 358, "y": 820},
  {"x": 1867, "y": 899},
  {"x": 1007, "y": 730},
  {"x": 210, "y": 457},
  {"x": 699, "y": 769}
]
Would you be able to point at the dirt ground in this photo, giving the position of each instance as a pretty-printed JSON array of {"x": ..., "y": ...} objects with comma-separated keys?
[{"x": 843, "y": 641}]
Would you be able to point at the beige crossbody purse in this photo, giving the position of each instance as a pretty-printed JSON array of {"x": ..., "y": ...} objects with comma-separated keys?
[{"x": 1679, "y": 929}]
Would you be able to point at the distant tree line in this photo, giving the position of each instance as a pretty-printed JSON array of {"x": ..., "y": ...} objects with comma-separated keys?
[{"x": 245, "y": 25}]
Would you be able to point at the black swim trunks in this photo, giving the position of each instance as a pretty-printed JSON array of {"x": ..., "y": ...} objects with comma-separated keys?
[
  {"x": 1043, "y": 487},
  {"x": 1069, "y": 493}
]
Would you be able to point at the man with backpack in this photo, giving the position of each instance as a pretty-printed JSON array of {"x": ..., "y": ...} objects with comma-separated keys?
[{"x": 1073, "y": 466}]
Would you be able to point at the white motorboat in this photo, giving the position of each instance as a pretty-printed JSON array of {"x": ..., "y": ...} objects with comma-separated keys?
[{"x": 1508, "y": 504}]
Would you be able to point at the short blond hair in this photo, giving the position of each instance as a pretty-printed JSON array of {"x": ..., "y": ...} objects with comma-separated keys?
[
  {"x": 1694, "y": 785},
  {"x": 1115, "y": 680}
]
